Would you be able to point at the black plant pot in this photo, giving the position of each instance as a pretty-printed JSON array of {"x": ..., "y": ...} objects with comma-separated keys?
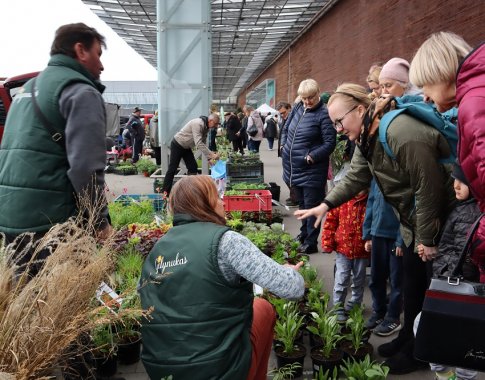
[
  {"x": 129, "y": 350},
  {"x": 105, "y": 365},
  {"x": 318, "y": 360},
  {"x": 349, "y": 351},
  {"x": 298, "y": 356},
  {"x": 78, "y": 367}
]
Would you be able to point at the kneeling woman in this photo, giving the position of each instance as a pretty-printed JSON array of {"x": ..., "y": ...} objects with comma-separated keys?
[{"x": 199, "y": 277}]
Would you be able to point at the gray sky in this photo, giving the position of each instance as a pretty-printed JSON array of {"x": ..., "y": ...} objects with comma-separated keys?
[{"x": 27, "y": 29}]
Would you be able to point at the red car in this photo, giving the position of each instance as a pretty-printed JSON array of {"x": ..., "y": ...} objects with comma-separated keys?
[{"x": 8, "y": 89}]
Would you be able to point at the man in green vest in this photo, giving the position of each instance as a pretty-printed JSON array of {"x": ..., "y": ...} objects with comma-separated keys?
[{"x": 53, "y": 149}]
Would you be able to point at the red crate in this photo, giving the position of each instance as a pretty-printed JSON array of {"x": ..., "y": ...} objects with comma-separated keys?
[{"x": 254, "y": 200}]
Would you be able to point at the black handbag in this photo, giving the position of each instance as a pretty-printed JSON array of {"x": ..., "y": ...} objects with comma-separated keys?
[{"x": 451, "y": 330}]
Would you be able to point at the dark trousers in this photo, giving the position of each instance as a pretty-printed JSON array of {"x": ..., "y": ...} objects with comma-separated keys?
[
  {"x": 270, "y": 142},
  {"x": 178, "y": 153},
  {"x": 158, "y": 154},
  {"x": 253, "y": 145},
  {"x": 237, "y": 145},
  {"x": 137, "y": 149},
  {"x": 386, "y": 265},
  {"x": 307, "y": 198},
  {"x": 416, "y": 278}
]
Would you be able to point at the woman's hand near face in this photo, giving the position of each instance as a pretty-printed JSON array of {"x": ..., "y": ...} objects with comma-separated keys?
[{"x": 318, "y": 212}]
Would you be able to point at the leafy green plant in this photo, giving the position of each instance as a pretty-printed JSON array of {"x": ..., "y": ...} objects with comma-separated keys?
[
  {"x": 134, "y": 212},
  {"x": 337, "y": 158},
  {"x": 327, "y": 328},
  {"x": 102, "y": 338},
  {"x": 286, "y": 372},
  {"x": 279, "y": 254},
  {"x": 234, "y": 192},
  {"x": 309, "y": 274},
  {"x": 288, "y": 326},
  {"x": 327, "y": 375},
  {"x": 364, "y": 369},
  {"x": 145, "y": 165},
  {"x": 356, "y": 324},
  {"x": 248, "y": 186}
]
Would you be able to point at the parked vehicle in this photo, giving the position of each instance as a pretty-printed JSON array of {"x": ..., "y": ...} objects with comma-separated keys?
[{"x": 8, "y": 89}]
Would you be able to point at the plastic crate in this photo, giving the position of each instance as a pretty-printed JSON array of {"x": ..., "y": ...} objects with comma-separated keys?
[
  {"x": 155, "y": 199},
  {"x": 254, "y": 200},
  {"x": 232, "y": 180},
  {"x": 252, "y": 170}
]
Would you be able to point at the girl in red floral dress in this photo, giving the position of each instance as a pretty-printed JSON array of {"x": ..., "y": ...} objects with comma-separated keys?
[{"x": 342, "y": 233}]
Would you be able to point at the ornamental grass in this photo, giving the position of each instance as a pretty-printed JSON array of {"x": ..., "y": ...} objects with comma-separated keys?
[{"x": 40, "y": 317}]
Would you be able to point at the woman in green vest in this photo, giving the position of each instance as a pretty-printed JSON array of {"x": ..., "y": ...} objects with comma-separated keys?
[{"x": 206, "y": 323}]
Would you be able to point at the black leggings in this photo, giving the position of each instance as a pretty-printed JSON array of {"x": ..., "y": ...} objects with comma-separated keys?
[{"x": 178, "y": 153}]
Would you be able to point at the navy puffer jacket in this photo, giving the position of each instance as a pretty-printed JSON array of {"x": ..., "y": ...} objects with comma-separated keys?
[{"x": 311, "y": 133}]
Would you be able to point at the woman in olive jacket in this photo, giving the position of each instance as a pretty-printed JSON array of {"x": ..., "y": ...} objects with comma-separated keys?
[{"x": 416, "y": 185}]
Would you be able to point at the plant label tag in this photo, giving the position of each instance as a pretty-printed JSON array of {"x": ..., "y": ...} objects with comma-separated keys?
[
  {"x": 257, "y": 290},
  {"x": 108, "y": 297}
]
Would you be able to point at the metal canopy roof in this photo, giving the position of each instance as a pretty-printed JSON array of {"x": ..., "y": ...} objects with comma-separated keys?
[{"x": 247, "y": 35}]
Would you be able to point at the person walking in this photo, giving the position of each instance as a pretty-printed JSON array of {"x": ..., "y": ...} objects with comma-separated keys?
[
  {"x": 233, "y": 127},
  {"x": 60, "y": 155},
  {"x": 192, "y": 135},
  {"x": 137, "y": 132},
  {"x": 270, "y": 130}
]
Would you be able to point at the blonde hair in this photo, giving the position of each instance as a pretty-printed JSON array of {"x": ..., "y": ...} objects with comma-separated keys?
[
  {"x": 308, "y": 87},
  {"x": 374, "y": 72},
  {"x": 351, "y": 94},
  {"x": 438, "y": 58}
]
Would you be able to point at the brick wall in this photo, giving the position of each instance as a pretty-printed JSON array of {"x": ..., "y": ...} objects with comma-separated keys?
[{"x": 354, "y": 34}]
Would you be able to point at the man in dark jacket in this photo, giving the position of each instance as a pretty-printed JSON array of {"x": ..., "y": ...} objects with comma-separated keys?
[
  {"x": 307, "y": 142},
  {"x": 137, "y": 132},
  {"x": 43, "y": 190},
  {"x": 233, "y": 126}
]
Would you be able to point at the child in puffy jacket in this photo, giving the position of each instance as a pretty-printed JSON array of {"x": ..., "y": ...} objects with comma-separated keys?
[
  {"x": 342, "y": 233},
  {"x": 451, "y": 244}
]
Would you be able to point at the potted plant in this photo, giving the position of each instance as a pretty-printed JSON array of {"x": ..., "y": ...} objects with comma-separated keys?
[
  {"x": 104, "y": 350},
  {"x": 146, "y": 166},
  {"x": 327, "y": 355},
  {"x": 287, "y": 328},
  {"x": 356, "y": 344},
  {"x": 364, "y": 369}
]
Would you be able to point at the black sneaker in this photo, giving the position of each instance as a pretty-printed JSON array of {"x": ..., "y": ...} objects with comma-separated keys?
[
  {"x": 373, "y": 321},
  {"x": 401, "y": 364},
  {"x": 387, "y": 327},
  {"x": 300, "y": 238},
  {"x": 290, "y": 203}
]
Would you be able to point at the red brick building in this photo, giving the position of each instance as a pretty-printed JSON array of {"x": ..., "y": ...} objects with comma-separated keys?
[{"x": 354, "y": 34}]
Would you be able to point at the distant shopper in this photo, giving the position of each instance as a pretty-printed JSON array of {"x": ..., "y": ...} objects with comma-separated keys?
[
  {"x": 192, "y": 135},
  {"x": 270, "y": 130},
  {"x": 206, "y": 322},
  {"x": 307, "y": 143},
  {"x": 137, "y": 132},
  {"x": 42, "y": 174},
  {"x": 233, "y": 127},
  {"x": 155, "y": 138}
]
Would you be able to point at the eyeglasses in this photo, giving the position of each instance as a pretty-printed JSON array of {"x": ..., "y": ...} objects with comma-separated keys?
[{"x": 338, "y": 122}]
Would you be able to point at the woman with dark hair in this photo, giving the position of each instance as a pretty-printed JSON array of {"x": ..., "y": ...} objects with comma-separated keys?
[{"x": 198, "y": 278}]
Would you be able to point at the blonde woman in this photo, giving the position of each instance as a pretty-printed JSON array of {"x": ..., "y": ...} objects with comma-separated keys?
[
  {"x": 415, "y": 184},
  {"x": 373, "y": 81}
]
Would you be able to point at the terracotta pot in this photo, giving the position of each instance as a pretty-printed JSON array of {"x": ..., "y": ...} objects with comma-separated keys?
[
  {"x": 297, "y": 356},
  {"x": 318, "y": 360}
]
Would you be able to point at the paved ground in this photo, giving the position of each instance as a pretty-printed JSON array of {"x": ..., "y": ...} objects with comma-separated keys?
[{"x": 272, "y": 170}]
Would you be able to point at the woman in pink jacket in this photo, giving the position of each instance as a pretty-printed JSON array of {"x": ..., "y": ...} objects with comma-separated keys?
[{"x": 434, "y": 68}]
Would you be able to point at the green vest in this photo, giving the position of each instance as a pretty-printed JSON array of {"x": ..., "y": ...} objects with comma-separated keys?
[
  {"x": 35, "y": 191},
  {"x": 201, "y": 323}
]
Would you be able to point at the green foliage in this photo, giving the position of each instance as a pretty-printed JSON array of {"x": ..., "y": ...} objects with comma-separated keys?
[
  {"x": 128, "y": 268},
  {"x": 102, "y": 338},
  {"x": 337, "y": 158},
  {"x": 327, "y": 328},
  {"x": 364, "y": 370},
  {"x": 145, "y": 165},
  {"x": 279, "y": 254},
  {"x": 356, "y": 323},
  {"x": 135, "y": 212},
  {"x": 288, "y": 326},
  {"x": 309, "y": 274},
  {"x": 286, "y": 372},
  {"x": 327, "y": 375},
  {"x": 248, "y": 186},
  {"x": 234, "y": 192}
]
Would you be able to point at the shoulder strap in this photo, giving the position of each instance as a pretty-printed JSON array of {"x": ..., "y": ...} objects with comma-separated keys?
[
  {"x": 386, "y": 120},
  {"x": 458, "y": 271},
  {"x": 55, "y": 135}
]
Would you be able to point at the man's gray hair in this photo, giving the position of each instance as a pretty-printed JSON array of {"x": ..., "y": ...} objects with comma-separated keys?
[{"x": 213, "y": 116}]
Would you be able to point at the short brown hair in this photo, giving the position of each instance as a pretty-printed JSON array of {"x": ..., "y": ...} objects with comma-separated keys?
[
  {"x": 70, "y": 34},
  {"x": 196, "y": 195}
]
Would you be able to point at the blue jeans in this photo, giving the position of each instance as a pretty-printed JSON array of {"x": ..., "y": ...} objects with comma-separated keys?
[
  {"x": 385, "y": 264},
  {"x": 270, "y": 142},
  {"x": 309, "y": 197},
  {"x": 253, "y": 145},
  {"x": 345, "y": 269}
]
